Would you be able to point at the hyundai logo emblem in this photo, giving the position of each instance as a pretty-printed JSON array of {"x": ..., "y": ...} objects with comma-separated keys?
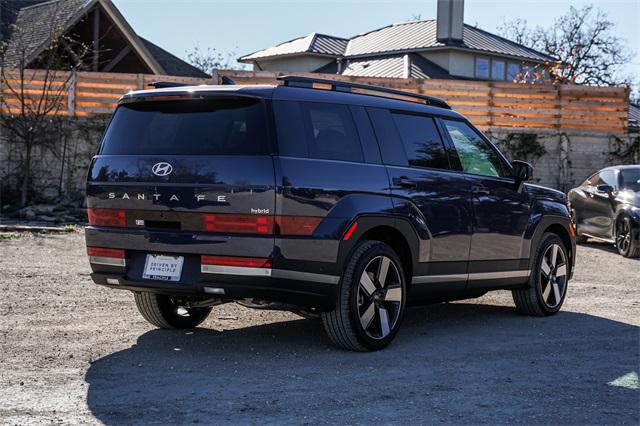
[{"x": 162, "y": 169}]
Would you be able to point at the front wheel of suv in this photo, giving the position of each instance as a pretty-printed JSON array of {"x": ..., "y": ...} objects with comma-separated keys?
[
  {"x": 164, "y": 312},
  {"x": 371, "y": 299},
  {"x": 548, "y": 279}
]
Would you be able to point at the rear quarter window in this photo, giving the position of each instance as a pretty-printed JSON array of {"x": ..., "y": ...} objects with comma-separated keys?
[
  {"x": 317, "y": 130},
  {"x": 188, "y": 127}
]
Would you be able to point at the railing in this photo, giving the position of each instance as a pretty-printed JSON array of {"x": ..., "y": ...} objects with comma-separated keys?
[{"x": 486, "y": 104}]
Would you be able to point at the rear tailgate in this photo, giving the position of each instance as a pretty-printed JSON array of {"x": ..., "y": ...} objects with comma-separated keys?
[{"x": 184, "y": 177}]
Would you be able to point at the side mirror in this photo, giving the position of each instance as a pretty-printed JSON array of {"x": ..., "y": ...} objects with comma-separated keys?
[
  {"x": 522, "y": 171},
  {"x": 607, "y": 189}
]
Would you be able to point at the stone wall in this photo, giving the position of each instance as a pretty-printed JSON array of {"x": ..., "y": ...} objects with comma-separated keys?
[
  {"x": 58, "y": 170},
  {"x": 570, "y": 157}
]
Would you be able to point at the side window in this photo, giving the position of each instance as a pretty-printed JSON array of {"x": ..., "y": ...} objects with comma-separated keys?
[
  {"x": 594, "y": 180},
  {"x": 608, "y": 177},
  {"x": 475, "y": 155},
  {"x": 421, "y": 141},
  {"x": 317, "y": 130}
]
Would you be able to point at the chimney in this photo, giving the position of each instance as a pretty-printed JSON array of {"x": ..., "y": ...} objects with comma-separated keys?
[{"x": 450, "y": 21}]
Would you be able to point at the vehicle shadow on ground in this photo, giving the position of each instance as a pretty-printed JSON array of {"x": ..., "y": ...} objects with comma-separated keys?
[
  {"x": 455, "y": 363},
  {"x": 603, "y": 246}
]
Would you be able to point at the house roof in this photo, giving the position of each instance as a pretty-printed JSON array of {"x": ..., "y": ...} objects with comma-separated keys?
[
  {"x": 33, "y": 17},
  {"x": 172, "y": 64},
  {"x": 393, "y": 66},
  {"x": 314, "y": 43},
  {"x": 634, "y": 116},
  {"x": 35, "y": 24},
  {"x": 398, "y": 38},
  {"x": 421, "y": 35}
]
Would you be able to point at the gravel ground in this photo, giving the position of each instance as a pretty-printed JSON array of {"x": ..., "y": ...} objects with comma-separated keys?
[{"x": 74, "y": 352}]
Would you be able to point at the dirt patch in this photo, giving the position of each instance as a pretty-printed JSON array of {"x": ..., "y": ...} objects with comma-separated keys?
[{"x": 72, "y": 351}]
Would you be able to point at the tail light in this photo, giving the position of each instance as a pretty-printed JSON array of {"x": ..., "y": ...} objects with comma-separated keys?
[
  {"x": 251, "y": 262},
  {"x": 106, "y": 252},
  {"x": 241, "y": 223},
  {"x": 297, "y": 225},
  {"x": 253, "y": 224},
  {"x": 107, "y": 217}
]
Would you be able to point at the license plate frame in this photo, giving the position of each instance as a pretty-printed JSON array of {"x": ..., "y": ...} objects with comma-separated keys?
[{"x": 163, "y": 267}]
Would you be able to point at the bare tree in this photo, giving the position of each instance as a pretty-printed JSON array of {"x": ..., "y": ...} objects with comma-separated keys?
[
  {"x": 583, "y": 43},
  {"x": 31, "y": 99},
  {"x": 209, "y": 60}
]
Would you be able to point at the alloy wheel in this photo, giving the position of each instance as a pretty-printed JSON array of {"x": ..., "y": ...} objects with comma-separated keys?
[
  {"x": 553, "y": 275},
  {"x": 379, "y": 297},
  {"x": 623, "y": 236}
]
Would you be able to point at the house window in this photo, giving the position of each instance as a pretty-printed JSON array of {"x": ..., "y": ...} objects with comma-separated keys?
[
  {"x": 528, "y": 73},
  {"x": 512, "y": 71},
  {"x": 482, "y": 67},
  {"x": 497, "y": 70}
]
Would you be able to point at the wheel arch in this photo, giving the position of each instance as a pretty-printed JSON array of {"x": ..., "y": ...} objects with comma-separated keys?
[
  {"x": 558, "y": 225},
  {"x": 398, "y": 233}
]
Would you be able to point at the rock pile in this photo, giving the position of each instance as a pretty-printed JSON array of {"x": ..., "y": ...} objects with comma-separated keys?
[{"x": 63, "y": 213}]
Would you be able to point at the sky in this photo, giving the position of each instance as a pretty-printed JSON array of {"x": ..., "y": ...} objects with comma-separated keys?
[{"x": 244, "y": 26}]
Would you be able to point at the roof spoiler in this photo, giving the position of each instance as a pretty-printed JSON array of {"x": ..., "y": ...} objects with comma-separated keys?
[
  {"x": 166, "y": 84},
  {"x": 226, "y": 81},
  {"x": 346, "y": 86}
]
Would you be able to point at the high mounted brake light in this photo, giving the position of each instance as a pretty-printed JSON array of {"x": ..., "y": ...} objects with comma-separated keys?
[{"x": 107, "y": 217}]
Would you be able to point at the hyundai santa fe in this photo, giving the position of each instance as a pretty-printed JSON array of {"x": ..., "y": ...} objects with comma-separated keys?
[{"x": 333, "y": 200}]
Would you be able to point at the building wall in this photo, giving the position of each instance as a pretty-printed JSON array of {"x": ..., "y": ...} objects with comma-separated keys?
[
  {"x": 462, "y": 64},
  {"x": 306, "y": 63}
]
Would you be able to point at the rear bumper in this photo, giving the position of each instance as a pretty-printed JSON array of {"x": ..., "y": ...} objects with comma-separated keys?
[
  {"x": 309, "y": 283},
  {"x": 274, "y": 285}
]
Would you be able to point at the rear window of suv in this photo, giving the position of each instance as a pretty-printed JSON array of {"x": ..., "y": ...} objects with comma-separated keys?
[{"x": 188, "y": 127}]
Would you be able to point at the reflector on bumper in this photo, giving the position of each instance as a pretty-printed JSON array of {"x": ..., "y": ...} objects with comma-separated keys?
[
  {"x": 233, "y": 265},
  {"x": 107, "y": 256}
]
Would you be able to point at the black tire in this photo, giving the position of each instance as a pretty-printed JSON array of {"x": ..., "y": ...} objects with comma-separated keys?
[
  {"x": 161, "y": 310},
  {"x": 580, "y": 239},
  {"x": 546, "y": 292},
  {"x": 627, "y": 241},
  {"x": 381, "y": 306}
]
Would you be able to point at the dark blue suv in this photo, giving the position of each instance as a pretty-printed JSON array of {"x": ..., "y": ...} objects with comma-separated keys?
[{"x": 333, "y": 200}]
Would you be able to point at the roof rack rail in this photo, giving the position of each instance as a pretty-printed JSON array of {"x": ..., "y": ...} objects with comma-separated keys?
[
  {"x": 345, "y": 86},
  {"x": 165, "y": 84}
]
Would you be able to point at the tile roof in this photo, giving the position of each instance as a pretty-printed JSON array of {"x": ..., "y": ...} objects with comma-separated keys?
[
  {"x": 313, "y": 43},
  {"x": 172, "y": 64},
  {"x": 33, "y": 24}
]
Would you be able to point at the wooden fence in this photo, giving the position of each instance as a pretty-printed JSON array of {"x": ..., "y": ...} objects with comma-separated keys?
[{"x": 486, "y": 104}]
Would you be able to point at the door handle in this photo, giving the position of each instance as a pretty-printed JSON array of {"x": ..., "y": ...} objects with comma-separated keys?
[
  {"x": 404, "y": 182},
  {"x": 480, "y": 190}
]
